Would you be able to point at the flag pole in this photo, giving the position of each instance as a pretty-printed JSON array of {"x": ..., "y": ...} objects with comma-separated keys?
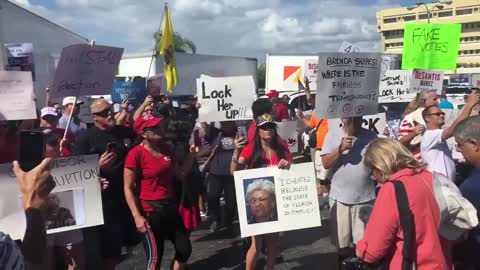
[
  {"x": 92, "y": 43},
  {"x": 155, "y": 46}
]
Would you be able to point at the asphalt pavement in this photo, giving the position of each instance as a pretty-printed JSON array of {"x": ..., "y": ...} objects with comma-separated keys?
[{"x": 224, "y": 250}]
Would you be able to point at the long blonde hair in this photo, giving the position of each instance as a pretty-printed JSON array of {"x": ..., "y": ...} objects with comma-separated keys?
[
  {"x": 390, "y": 156},
  {"x": 413, "y": 105}
]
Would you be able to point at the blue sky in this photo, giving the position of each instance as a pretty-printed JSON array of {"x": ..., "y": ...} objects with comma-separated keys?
[{"x": 223, "y": 27}]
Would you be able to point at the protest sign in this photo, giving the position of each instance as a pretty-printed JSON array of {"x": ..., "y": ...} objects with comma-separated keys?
[
  {"x": 347, "y": 84},
  {"x": 20, "y": 57},
  {"x": 131, "y": 89},
  {"x": 154, "y": 85},
  {"x": 225, "y": 98},
  {"x": 288, "y": 132},
  {"x": 310, "y": 71},
  {"x": 376, "y": 123},
  {"x": 395, "y": 87},
  {"x": 16, "y": 96},
  {"x": 77, "y": 197},
  {"x": 431, "y": 46},
  {"x": 272, "y": 200},
  {"x": 347, "y": 47},
  {"x": 84, "y": 70},
  {"x": 426, "y": 80}
]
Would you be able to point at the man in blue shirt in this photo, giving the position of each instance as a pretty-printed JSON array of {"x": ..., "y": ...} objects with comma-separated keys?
[
  {"x": 444, "y": 103},
  {"x": 467, "y": 137},
  {"x": 77, "y": 126}
]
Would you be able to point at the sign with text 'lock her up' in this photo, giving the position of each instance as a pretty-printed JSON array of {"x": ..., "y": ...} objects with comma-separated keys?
[{"x": 225, "y": 98}]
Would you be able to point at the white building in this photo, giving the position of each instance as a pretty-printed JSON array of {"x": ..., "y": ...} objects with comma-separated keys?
[{"x": 18, "y": 25}]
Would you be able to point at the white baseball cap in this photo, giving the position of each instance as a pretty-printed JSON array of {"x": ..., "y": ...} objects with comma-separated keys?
[
  {"x": 48, "y": 111},
  {"x": 70, "y": 100}
]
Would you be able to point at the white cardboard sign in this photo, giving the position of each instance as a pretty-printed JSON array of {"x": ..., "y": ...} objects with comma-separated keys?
[
  {"x": 288, "y": 132},
  {"x": 16, "y": 96},
  {"x": 427, "y": 80},
  {"x": 376, "y": 123},
  {"x": 225, "y": 98},
  {"x": 395, "y": 87},
  {"x": 272, "y": 200},
  {"x": 310, "y": 71},
  {"x": 77, "y": 197},
  {"x": 347, "y": 84},
  {"x": 85, "y": 70}
]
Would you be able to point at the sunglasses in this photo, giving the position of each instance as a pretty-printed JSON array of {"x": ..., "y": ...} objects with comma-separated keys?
[
  {"x": 104, "y": 113},
  {"x": 438, "y": 113}
]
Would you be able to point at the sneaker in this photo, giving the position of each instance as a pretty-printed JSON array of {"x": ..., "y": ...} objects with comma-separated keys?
[{"x": 214, "y": 227}]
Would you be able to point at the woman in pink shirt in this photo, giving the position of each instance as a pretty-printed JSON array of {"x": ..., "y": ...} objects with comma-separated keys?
[{"x": 383, "y": 238}]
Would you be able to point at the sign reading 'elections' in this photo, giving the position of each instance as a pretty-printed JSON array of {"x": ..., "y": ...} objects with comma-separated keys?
[
  {"x": 347, "y": 84},
  {"x": 84, "y": 70},
  {"x": 225, "y": 98}
]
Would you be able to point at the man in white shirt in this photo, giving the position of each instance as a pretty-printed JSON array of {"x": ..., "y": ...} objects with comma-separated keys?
[{"x": 433, "y": 147}]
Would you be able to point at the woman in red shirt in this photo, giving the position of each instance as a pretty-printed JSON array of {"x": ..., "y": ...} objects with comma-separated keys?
[
  {"x": 263, "y": 151},
  {"x": 149, "y": 172},
  {"x": 383, "y": 238}
]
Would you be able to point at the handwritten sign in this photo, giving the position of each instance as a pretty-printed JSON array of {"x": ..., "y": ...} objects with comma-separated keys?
[
  {"x": 431, "y": 46},
  {"x": 289, "y": 199},
  {"x": 395, "y": 87},
  {"x": 86, "y": 70},
  {"x": 77, "y": 196},
  {"x": 347, "y": 84},
  {"x": 132, "y": 89},
  {"x": 347, "y": 47},
  {"x": 376, "y": 123},
  {"x": 310, "y": 71},
  {"x": 225, "y": 98},
  {"x": 288, "y": 132},
  {"x": 427, "y": 80},
  {"x": 16, "y": 96}
]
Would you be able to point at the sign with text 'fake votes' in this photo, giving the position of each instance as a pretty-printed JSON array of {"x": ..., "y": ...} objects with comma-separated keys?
[
  {"x": 85, "y": 70},
  {"x": 225, "y": 98},
  {"x": 74, "y": 203},
  {"x": 431, "y": 46},
  {"x": 347, "y": 84},
  {"x": 427, "y": 80},
  {"x": 272, "y": 200}
]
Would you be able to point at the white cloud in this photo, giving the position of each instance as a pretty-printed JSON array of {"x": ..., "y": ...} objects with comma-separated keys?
[{"x": 226, "y": 27}]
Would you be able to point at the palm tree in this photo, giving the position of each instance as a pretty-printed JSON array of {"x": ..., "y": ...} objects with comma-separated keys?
[{"x": 183, "y": 45}]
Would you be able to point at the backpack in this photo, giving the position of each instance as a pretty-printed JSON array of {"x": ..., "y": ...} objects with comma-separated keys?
[{"x": 457, "y": 214}]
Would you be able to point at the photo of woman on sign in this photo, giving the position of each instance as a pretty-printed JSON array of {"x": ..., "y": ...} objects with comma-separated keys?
[{"x": 260, "y": 201}]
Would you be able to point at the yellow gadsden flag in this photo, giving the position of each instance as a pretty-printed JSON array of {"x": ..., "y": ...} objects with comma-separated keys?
[{"x": 167, "y": 49}]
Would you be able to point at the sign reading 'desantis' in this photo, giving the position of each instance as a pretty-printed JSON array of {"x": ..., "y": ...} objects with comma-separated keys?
[
  {"x": 431, "y": 46},
  {"x": 427, "y": 80},
  {"x": 225, "y": 98},
  {"x": 84, "y": 69},
  {"x": 347, "y": 84}
]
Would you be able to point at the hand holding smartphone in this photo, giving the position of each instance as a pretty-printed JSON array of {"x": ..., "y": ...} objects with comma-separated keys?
[{"x": 242, "y": 132}]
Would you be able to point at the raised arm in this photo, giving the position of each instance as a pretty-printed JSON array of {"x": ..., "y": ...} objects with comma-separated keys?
[{"x": 472, "y": 101}]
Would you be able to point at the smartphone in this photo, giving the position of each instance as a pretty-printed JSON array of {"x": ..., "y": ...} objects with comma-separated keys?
[
  {"x": 111, "y": 146},
  {"x": 242, "y": 131},
  {"x": 31, "y": 149}
]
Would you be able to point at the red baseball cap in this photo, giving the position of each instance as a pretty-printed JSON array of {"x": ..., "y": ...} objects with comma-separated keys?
[
  {"x": 273, "y": 93},
  {"x": 146, "y": 121}
]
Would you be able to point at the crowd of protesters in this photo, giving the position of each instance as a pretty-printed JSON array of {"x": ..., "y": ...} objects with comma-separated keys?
[{"x": 163, "y": 173}]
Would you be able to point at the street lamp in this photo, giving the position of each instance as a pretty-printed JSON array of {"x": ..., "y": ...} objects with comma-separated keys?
[{"x": 440, "y": 5}]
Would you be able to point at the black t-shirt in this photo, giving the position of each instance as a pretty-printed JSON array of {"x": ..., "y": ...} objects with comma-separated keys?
[{"x": 94, "y": 141}]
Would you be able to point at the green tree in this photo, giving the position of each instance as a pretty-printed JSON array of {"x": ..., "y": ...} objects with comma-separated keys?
[
  {"x": 261, "y": 73},
  {"x": 183, "y": 45}
]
